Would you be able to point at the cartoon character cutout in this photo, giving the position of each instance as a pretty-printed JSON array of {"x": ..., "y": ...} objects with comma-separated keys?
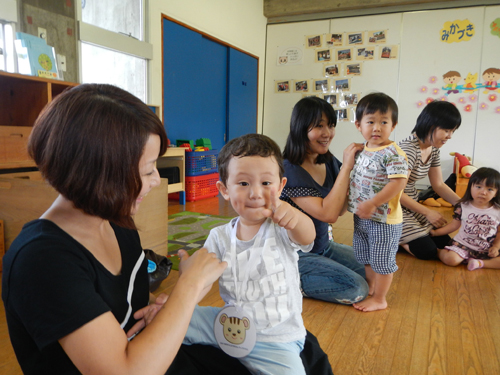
[
  {"x": 491, "y": 77},
  {"x": 451, "y": 79},
  {"x": 470, "y": 83},
  {"x": 234, "y": 328},
  {"x": 282, "y": 60}
]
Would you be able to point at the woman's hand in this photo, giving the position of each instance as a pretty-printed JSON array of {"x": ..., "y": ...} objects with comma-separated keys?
[
  {"x": 435, "y": 218},
  {"x": 349, "y": 154},
  {"x": 202, "y": 268},
  {"x": 147, "y": 314}
]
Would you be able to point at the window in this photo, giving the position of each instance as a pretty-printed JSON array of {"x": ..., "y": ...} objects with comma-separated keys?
[
  {"x": 112, "y": 44},
  {"x": 7, "y": 52},
  {"x": 101, "y": 65}
]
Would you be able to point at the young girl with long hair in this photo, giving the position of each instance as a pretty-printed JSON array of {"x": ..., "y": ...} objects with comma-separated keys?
[{"x": 477, "y": 215}]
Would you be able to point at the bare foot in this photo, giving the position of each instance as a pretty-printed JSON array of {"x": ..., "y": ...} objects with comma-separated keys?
[{"x": 370, "y": 304}]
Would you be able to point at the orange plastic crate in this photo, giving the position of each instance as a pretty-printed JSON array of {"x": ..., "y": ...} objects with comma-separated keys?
[{"x": 201, "y": 187}]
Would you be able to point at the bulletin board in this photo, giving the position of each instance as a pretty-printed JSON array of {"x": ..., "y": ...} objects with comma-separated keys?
[{"x": 404, "y": 55}]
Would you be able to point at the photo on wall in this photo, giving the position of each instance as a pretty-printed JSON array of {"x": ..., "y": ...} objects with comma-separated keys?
[
  {"x": 334, "y": 39},
  {"x": 322, "y": 55},
  {"x": 377, "y": 36},
  {"x": 355, "y": 38},
  {"x": 365, "y": 53},
  {"x": 301, "y": 85},
  {"x": 332, "y": 70},
  {"x": 314, "y": 41},
  {"x": 282, "y": 87},
  {"x": 349, "y": 99},
  {"x": 331, "y": 98},
  {"x": 321, "y": 85},
  {"x": 343, "y": 54},
  {"x": 342, "y": 114},
  {"x": 388, "y": 52},
  {"x": 354, "y": 69},
  {"x": 342, "y": 84}
]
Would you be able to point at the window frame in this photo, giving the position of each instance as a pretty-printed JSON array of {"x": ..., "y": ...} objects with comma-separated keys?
[{"x": 88, "y": 33}]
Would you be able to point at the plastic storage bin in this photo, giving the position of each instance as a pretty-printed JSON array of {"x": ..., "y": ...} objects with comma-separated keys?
[
  {"x": 201, "y": 187},
  {"x": 201, "y": 162}
]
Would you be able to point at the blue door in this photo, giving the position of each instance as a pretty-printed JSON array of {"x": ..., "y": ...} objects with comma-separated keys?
[
  {"x": 194, "y": 85},
  {"x": 242, "y": 94}
]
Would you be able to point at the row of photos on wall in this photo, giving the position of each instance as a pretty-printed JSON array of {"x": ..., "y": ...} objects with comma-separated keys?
[{"x": 338, "y": 65}]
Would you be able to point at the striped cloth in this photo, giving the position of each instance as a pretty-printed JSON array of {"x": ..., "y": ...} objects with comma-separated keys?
[{"x": 416, "y": 225}]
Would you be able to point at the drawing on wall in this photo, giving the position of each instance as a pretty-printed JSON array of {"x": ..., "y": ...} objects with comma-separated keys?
[
  {"x": 301, "y": 85},
  {"x": 314, "y": 41},
  {"x": 331, "y": 98},
  {"x": 321, "y": 85},
  {"x": 495, "y": 27},
  {"x": 467, "y": 95},
  {"x": 365, "y": 53},
  {"x": 334, "y": 39},
  {"x": 323, "y": 55},
  {"x": 282, "y": 86},
  {"x": 389, "y": 52},
  {"x": 332, "y": 70},
  {"x": 457, "y": 31},
  {"x": 491, "y": 77},
  {"x": 355, "y": 38},
  {"x": 353, "y": 69},
  {"x": 290, "y": 56},
  {"x": 451, "y": 80},
  {"x": 344, "y": 54},
  {"x": 377, "y": 36},
  {"x": 342, "y": 84}
]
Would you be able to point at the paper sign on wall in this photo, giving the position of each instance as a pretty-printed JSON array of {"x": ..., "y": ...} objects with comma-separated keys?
[
  {"x": 457, "y": 31},
  {"x": 290, "y": 56}
]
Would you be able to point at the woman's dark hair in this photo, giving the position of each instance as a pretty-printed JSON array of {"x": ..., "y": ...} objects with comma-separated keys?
[
  {"x": 437, "y": 114},
  {"x": 490, "y": 177},
  {"x": 248, "y": 145},
  {"x": 87, "y": 144},
  {"x": 377, "y": 102},
  {"x": 306, "y": 115}
]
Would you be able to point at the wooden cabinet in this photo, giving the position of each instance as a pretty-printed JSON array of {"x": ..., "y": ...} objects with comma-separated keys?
[{"x": 22, "y": 98}]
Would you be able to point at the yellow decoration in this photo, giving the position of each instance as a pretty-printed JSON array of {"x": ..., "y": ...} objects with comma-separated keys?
[{"x": 457, "y": 31}]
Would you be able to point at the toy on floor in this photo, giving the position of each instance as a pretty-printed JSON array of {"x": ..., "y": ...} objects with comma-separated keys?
[{"x": 440, "y": 202}]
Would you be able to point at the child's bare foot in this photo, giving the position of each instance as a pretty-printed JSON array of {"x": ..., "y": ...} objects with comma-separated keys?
[{"x": 370, "y": 304}]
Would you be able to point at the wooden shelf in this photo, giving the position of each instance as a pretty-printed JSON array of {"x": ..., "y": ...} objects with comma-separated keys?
[
  {"x": 23, "y": 98},
  {"x": 175, "y": 157}
]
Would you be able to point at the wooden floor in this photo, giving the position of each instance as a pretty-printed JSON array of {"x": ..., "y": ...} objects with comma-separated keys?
[{"x": 440, "y": 320}]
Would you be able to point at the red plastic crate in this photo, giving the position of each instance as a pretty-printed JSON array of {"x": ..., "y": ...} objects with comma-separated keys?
[
  {"x": 201, "y": 187},
  {"x": 201, "y": 162}
]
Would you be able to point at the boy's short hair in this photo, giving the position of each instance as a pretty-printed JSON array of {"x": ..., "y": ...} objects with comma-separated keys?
[
  {"x": 377, "y": 102},
  {"x": 451, "y": 73},
  {"x": 87, "y": 144},
  {"x": 248, "y": 145},
  {"x": 437, "y": 114},
  {"x": 491, "y": 70}
]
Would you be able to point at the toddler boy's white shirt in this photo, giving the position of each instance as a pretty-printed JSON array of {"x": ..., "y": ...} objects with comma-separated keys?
[{"x": 271, "y": 294}]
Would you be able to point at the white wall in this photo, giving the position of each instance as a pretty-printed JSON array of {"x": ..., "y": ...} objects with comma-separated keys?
[
  {"x": 240, "y": 23},
  {"x": 422, "y": 56}
]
